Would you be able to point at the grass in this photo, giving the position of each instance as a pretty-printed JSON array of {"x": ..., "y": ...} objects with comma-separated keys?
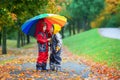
[
  {"x": 32, "y": 44},
  {"x": 99, "y": 48},
  {"x": 13, "y": 43}
]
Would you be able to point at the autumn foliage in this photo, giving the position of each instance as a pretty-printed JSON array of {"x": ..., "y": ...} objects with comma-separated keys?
[{"x": 110, "y": 9}]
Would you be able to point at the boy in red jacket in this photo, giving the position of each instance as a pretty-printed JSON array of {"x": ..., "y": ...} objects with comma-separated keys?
[{"x": 42, "y": 46}]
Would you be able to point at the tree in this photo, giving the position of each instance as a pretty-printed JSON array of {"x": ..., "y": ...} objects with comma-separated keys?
[
  {"x": 4, "y": 51},
  {"x": 114, "y": 21},
  {"x": 23, "y": 9},
  {"x": 84, "y": 11},
  {"x": 0, "y": 37},
  {"x": 20, "y": 11},
  {"x": 30, "y": 10},
  {"x": 4, "y": 23},
  {"x": 0, "y": 34},
  {"x": 62, "y": 7},
  {"x": 105, "y": 18}
]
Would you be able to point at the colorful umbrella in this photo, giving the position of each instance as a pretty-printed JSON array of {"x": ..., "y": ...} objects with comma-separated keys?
[{"x": 31, "y": 26}]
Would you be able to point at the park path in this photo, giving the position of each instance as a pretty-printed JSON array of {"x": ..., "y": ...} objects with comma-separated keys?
[
  {"x": 110, "y": 32},
  {"x": 20, "y": 65}
]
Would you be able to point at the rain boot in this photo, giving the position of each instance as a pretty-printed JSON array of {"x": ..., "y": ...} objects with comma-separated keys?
[
  {"x": 58, "y": 67},
  {"x": 44, "y": 66},
  {"x": 52, "y": 67},
  {"x": 39, "y": 67}
]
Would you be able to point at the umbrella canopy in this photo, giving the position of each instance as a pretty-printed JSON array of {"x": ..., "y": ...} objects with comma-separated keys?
[{"x": 32, "y": 26}]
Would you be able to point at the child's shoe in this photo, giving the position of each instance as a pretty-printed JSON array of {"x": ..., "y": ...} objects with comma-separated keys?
[
  {"x": 58, "y": 68},
  {"x": 52, "y": 67},
  {"x": 44, "y": 66},
  {"x": 39, "y": 67}
]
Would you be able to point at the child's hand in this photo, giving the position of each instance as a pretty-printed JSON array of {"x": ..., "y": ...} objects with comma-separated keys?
[
  {"x": 49, "y": 39},
  {"x": 57, "y": 48}
]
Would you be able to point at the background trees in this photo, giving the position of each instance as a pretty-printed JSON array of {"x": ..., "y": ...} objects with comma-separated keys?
[
  {"x": 5, "y": 23},
  {"x": 82, "y": 15},
  {"x": 14, "y": 13},
  {"x": 108, "y": 16}
]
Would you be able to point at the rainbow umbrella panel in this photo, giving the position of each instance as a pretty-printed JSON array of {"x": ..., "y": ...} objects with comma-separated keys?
[{"x": 32, "y": 25}]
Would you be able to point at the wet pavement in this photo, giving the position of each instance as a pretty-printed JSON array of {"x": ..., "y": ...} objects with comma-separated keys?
[{"x": 110, "y": 32}]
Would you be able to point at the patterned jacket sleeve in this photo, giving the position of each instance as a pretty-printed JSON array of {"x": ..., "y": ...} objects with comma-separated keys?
[
  {"x": 40, "y": 39},
  {"x": 59, "y": 39}
]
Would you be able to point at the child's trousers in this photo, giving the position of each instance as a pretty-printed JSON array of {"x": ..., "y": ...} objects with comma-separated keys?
[
  {"x": 55, "y": 58},
  {"x": 42, "y": 61}
]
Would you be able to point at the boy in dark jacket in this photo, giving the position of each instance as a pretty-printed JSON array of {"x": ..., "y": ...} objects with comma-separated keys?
[{"x": 56, "y": 46}]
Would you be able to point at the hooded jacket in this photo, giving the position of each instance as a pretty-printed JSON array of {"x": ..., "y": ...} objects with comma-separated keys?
[
  {"x": 56, "y": 38},
  {"x": 41, "y": 37}
]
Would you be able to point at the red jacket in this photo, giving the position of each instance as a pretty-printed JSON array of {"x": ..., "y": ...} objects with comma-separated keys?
[{"x": 41, "y": 38}]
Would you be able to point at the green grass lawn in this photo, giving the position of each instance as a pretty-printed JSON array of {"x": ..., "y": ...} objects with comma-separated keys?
[
  {"x": 13, "y": 43},
  {"x": 95, "y": 46}
]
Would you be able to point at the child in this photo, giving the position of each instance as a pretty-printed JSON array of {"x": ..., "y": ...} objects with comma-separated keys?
[
  {"x": 56, "y": 45},
  {"x": 42, "y": 47}
]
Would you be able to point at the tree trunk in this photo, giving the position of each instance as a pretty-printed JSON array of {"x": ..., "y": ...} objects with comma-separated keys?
[
  {"x": 24, "y": 39},
  {"x": 62, "y": 31},
  {"x": 86, "y": 23},
  {"x": 0, "y": 38},
  {"x": 78, "y": 26},
  {"x": 88, "y": 28},
  {"x": 69, "y": 30},
  {"x": 21, "y": 35},
  {"x": 28, "y": 39},
  {"x": 4, "y": 46},
  {"x": 18, "y": 39},
  {"x": 73, "y": 26}
]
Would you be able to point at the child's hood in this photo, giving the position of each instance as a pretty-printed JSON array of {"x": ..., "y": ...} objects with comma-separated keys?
[
  {"x": 39, "y": 26},
  {"x": 57, "y": 28}
]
